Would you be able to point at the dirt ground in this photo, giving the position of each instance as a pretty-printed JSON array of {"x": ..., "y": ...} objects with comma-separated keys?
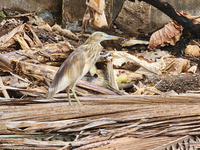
[{"x": 179, "y": 83}]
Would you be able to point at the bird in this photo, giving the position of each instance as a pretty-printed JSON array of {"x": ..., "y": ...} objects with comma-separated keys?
[{"x": 78, "y": 63}]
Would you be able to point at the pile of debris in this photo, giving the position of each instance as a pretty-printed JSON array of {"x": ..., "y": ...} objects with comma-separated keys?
[{"x": 157, "y": 88}]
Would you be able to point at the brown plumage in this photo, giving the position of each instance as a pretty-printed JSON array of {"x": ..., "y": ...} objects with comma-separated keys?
[{"x": 78, "y": 64}]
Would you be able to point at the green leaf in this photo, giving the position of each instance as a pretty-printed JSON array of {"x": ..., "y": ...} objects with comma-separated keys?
[{"x": 2, "y": 15}]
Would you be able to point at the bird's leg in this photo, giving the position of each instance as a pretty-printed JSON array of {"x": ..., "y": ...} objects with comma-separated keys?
[
  {"x": 73, "y": 91},
  {"x": 70, "y": 103}
]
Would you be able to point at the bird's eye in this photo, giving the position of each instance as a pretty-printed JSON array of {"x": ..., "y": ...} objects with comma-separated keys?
[{"x": 101, "y": 35}]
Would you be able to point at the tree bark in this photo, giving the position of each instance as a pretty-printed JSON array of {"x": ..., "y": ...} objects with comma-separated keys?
[{"x": 185, "y": 22}]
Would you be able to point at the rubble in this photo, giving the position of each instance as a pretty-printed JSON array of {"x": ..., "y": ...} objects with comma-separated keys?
[{"x": 129, "y": 96}]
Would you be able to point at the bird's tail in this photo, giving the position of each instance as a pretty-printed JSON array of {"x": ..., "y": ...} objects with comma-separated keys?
[{"x": 50, "y": 93}]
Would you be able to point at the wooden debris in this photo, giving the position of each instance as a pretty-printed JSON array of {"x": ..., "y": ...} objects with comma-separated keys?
[
  {"x": 49, "y": 54},
  {"x": 115, "y": 118},
  {"x": 129, "y": 143},
  {"x": 46, "y": 27},
  {"x": 5, "y": 93},
  {"x": 111, "y": 75},
  {"x": 5, "y": 64},
  {"x": 19, "y": 34},
  {"x": 133, "y": 41},
  {"x": 65, "y": 32},
  {"x": 180, "y": 143},
  {"x": 95, "y": 88},
  {"x": 109, "y": 118}
]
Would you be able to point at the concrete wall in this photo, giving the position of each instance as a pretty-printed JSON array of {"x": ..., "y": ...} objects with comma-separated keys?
[
  {"x": 32, "y": 5},
  {"x": 134, "y": 17},
  {"x": 158, "y": 19},
  {"x": 141, "y": 17}
]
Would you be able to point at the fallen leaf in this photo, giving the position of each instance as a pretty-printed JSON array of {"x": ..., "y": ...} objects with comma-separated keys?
[
  {"x": 154, "y": 56},
  {"x": 169, "y": 34},
  {"x": 192, "y": 50},
  {"x": 176, "y": 66},
  {"x": 94, "y": 12},
  {"x": 100, "y": 20},
  {"x": 192, "y": 69},
  {"x": 119, "y": 58}
]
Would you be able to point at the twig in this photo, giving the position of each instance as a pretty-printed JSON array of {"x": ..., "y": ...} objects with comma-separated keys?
[
  {"x": 157, "y": 133},
  {"x": 66, "y": 147},
  {"x": 90, "y": 86},
  {"x": 23, "y": 54},
  {"x": 154, "y": 91},
  {"x": 30, "y": 92},
  {"x": 152, "y": 87},
  {"x": 108, "y": 86},
  {"x": 196, "y": 42},
  {"x": 25, "y": 80},
  {"x": 196, "y": 17},
  {"x": 5, "y": 93},
  {"x": 21, "y": 15},
  {"x": 77, "y": 136},
  {"x": 127, "y": 130},
  {"x": 50, "y": 137}
]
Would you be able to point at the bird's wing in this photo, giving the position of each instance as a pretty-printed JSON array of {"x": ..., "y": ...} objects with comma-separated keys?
[{"x": 68, "y": 73}]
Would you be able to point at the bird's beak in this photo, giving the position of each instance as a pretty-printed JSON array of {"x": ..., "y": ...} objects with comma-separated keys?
[{"x": 111, "y": 37}]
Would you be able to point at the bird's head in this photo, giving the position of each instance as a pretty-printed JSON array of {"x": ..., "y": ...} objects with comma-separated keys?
[{"x": 101, "y": 36}]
